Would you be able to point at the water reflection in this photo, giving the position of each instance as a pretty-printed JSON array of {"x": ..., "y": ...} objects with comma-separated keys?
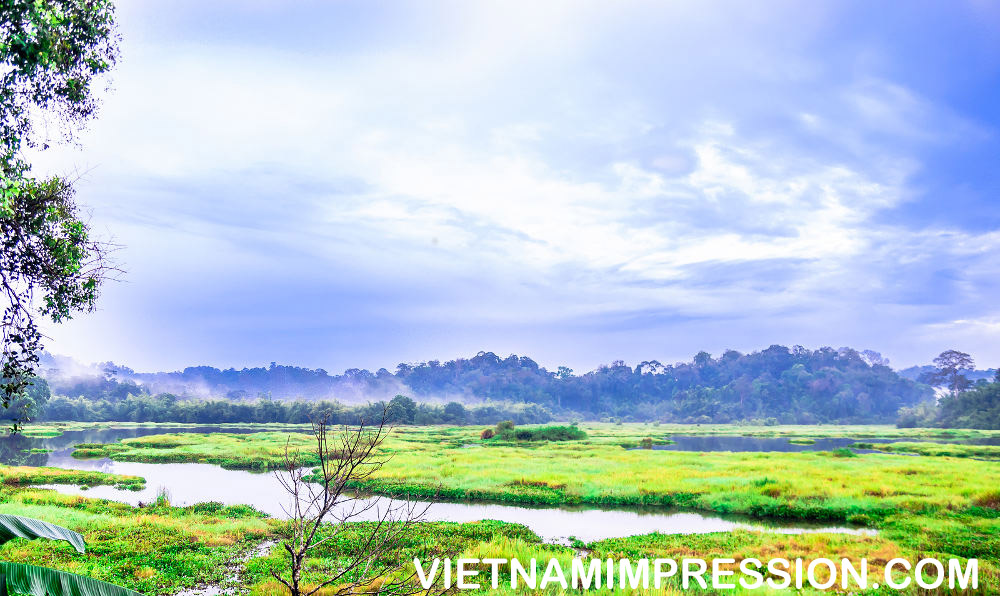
[{"x": 190, "y": 483}]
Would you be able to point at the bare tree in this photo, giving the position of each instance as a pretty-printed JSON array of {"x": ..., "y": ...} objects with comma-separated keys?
[{"x": 322, "y": 504}]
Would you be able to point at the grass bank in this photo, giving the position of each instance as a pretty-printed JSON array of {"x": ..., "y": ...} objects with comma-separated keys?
[
  {"x": 27, "y": 475},
  {"x": 935, "y": 449},
  {"x": 154, "y": 550},
  {"x": 455, "y": 463}
]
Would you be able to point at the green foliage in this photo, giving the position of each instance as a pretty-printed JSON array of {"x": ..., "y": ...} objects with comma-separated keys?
[
  {"x": 978, "y": 407},
  {"x": 52, "y": 50},
  {"x": 15, "y": 526},
  {"x": 777, "y": 384},
  {"x": 770, "y": 387},
  {"x": 975, "y": 407},
  {"x": 29, "y": 475},
  {"x": 141, "y": 407},
  {"x": 155, "y": 550},
  {"x": 544, "y": 433},
  {"x": 50, "y": 53},
  {"x": 950, "y": 370},
  {"x": 30, "y": 580},
  {"x": 935, "y": 449},
  {"x": 423, "y": 540},
  {"x": 401, "y": 410}
]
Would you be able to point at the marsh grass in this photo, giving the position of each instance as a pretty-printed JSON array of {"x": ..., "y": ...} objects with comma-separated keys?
[
  {"x": 989, "y": 500},
  {"x": 154, "y": 550},
  {"x": 930, "y": 504},
  {"x": 935, "y": 449},
  {"x": 27, "y": 475}
]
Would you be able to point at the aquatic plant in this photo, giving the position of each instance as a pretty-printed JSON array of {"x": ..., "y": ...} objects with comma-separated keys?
[{"x": 30, "y": 580}]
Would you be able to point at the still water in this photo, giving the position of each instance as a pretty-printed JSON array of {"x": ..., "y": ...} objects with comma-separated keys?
[{"x": 188, "y": 484}]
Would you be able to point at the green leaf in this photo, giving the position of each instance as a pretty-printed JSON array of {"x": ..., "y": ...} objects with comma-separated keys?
[
  {"x": 28, "y": 580},
  {"x": 15, "y": 526}
]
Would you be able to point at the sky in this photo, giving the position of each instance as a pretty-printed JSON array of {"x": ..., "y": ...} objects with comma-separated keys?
[{"x": 358, "y": 184}]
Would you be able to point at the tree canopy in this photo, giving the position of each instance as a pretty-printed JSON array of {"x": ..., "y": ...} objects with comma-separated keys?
[
  {"x": 793, "y": 385},
  {"x": 51, "y": 54}
]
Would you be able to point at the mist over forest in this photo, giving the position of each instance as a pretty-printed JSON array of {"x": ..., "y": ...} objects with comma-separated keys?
[{"x": 776, "y": 385}]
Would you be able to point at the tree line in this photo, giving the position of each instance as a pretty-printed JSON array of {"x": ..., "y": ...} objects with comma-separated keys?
[
  {"x": 971, "y": 401},
  {"x": 786, "y": 385},
  {"x": 165, "y": 407}
]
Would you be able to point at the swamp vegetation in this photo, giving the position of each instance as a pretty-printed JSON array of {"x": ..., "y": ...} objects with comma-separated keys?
[{"x": 939, "y": 504}]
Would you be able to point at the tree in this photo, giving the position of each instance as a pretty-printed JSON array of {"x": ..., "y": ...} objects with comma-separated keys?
[
  {"x": 51, "y": 52},
  {"x": 950, "y": 366},
  {"x": 322, "y": 507},
  {"x": 454, "y": 412},
  {"x": 29, "y": 580},
  {"x": 401, "y": 410}
]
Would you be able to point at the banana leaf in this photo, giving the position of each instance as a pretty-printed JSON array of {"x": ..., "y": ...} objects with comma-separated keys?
[
  {"x": 15, "y": 526},
  {"x": 28, "y": 580}
]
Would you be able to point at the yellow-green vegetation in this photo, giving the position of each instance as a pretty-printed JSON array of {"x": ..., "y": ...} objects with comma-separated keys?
[
  {"x": 154, "y": 550},
  {"x": 27, "y": 475},
  {"x": 935, "y": 449},
  {"x": 258, "y": 451},
  {"x": 596, "y": 470},
  {"x": 820, "y": 431},
  {"x": 55, "y": 429},
  {"x": 933, "y": 504},
  {"x": 739, "y": 545}
]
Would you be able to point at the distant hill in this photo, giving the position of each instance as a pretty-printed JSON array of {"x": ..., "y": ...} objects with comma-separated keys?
[{"x": 780, "y": 384}]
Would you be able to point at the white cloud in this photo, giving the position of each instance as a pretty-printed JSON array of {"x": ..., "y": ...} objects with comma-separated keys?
[{"x": 529, "y": 162}]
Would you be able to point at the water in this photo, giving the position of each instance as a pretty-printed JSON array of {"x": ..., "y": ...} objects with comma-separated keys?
[{"x": 190, "y": 483}]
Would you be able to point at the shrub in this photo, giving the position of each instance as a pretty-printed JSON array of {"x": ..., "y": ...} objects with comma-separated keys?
[
  {"x": 990, "y": 500},
  {"x": 162, "y": 498},
  {"x": 505, "y": 425},
  {"x": 646, "y": 443},
  {"x": 487, "y": 434},
  {"x": 544, "y": 433},
  {"x": 843, "y": 452}
]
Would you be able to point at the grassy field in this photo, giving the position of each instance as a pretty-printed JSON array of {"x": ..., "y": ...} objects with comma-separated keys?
[
  {"x": 944, "y": 503},
  {"x": 456, "y": 463},
  {"x": 160, "y": 550}
]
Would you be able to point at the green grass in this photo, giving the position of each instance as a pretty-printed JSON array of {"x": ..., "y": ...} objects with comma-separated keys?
[
  {"x": 259, "y": 451},
  {"x": 939, "y": 503},
  {"x": 935, "y": 449},
  {"x": 597, "y": 471},
  {"x": 541, "y": 433},
  {"x": 154, "y": 550},
  {"x": 55, "y": 429},
  {"x": 26, "y": 476}
]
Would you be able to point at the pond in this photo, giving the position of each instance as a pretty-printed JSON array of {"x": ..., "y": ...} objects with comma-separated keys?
[{"x": 190, "y": 483}]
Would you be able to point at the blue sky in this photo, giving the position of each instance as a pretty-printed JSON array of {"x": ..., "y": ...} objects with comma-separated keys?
[{"x": 360, "y": 184}]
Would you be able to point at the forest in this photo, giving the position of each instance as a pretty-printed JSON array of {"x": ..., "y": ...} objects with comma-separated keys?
[{"x": 774, "y": 385}]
